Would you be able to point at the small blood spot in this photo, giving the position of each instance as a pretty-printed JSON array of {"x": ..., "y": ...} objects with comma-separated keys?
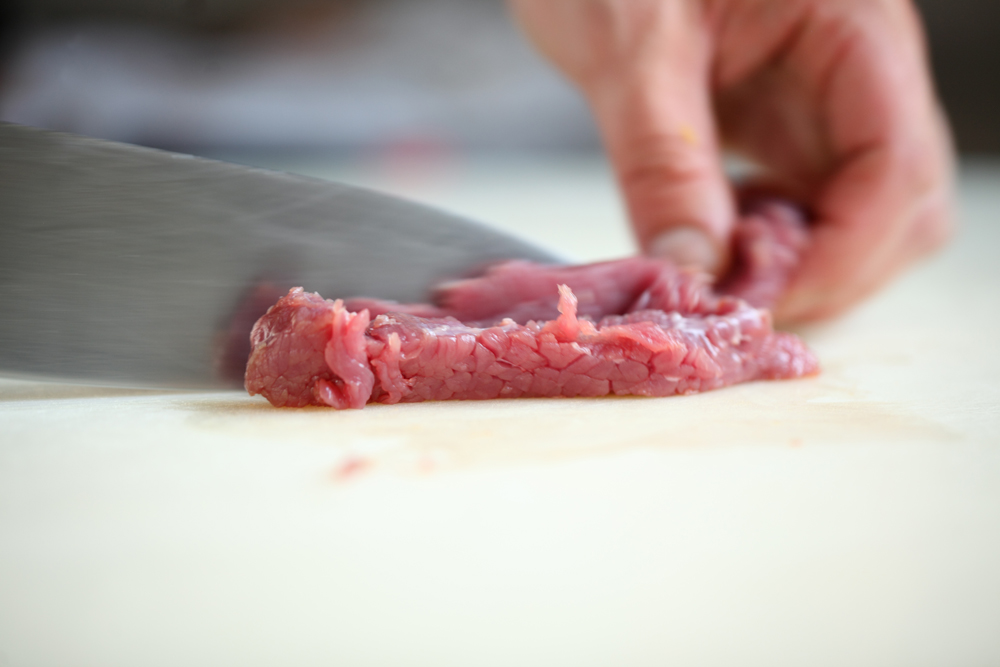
[{"x": 350, "y": 468}]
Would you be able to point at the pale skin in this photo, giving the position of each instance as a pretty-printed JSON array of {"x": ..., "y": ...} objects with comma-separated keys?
[{"x": 832, "y": 98}]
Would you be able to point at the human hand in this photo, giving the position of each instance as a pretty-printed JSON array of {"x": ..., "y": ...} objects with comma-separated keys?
[{"x": 831, "y": 98}]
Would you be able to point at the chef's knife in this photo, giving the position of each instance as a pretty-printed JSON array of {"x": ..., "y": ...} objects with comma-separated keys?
[{"x": 133, "y": 266}]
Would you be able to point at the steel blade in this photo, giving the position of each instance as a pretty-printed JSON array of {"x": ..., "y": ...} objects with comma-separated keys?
[{"x": 128, "y": 265}]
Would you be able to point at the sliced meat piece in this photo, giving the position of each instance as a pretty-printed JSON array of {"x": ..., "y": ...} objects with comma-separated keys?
[
  {"x": 767, "y": 245},
  {"x": 310, "y": 351},
  {"x": 645, "y": 352},
  {"x": 635, "y": 326}
]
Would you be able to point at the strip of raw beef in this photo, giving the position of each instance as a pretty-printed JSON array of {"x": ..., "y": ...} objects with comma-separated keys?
[
  {"x": 766, "y": 249},
  {"x": 635, "y": 326}
]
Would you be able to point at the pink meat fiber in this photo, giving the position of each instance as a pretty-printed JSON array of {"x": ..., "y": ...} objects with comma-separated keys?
[{"x": 635, "y": 326}]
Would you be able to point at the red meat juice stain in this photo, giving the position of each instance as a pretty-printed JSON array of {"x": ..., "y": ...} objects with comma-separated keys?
[{"x": 351, "y": 468}]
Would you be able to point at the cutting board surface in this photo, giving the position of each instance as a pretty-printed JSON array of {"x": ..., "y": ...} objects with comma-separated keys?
[{"x": 852, "y": 518}]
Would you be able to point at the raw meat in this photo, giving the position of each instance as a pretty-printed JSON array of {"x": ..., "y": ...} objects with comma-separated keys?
[{"x": 635, "y": 326}]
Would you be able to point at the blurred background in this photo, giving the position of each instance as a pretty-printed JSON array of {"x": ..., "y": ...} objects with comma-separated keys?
[
  {"x": 357, "y": 75},
  {"x": 439, "y": 100},
  {"x": 340, "y": 76}
]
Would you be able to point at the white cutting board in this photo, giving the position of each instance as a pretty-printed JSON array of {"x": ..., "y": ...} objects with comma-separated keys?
[{"x": 850, "y": 519}]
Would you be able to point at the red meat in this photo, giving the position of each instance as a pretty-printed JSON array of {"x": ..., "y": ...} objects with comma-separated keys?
[{"x": 635, "y": 326}]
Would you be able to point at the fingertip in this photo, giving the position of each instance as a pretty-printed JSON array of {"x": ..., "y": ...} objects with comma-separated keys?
[{"x": 683, "y": 214}]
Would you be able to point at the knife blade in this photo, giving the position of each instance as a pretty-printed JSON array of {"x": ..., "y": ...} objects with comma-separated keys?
[{"x": 132, "y": 266}]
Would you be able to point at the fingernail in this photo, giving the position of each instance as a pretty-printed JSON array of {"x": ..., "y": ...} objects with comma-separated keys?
[{"x": 686, "y": 247}]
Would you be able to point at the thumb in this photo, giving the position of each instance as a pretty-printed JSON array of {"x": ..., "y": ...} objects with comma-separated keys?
[{"x": 657, "y": 123}]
